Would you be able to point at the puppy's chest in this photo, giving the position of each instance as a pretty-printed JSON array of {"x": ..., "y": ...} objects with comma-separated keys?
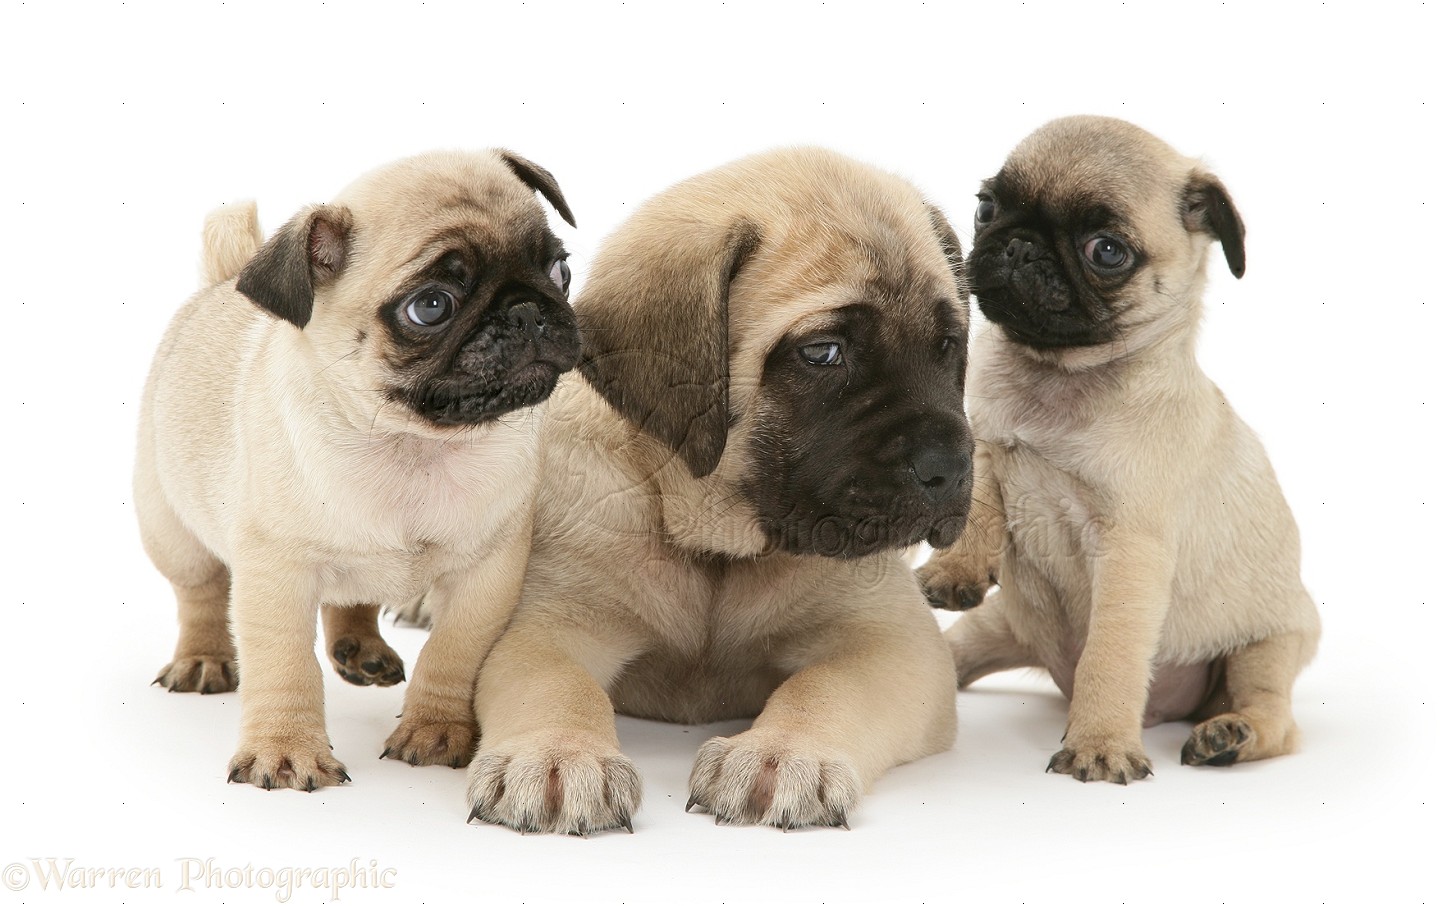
[
  {"x": 1055, "y": 520},
  {"x": 390, "y": 527},
  {"x": 1054, "y": 414}
]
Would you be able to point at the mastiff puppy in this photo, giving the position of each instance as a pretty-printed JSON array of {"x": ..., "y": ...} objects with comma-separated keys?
[
  {"x": 770, "y": 408},
  {"x": 1144, "y": 552},
  {"x": 352, "y": 421}
]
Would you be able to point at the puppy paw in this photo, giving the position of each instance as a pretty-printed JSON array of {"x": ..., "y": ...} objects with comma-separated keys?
[
  {"x": 1109, "y": 759},
  {"x": 761, "y": 777},
  {"x": 415, "y": 613},
  {"x": 286, "y": 764},
  {"x": 1219, "y": 741},
  {"x": 204, "y": 673},
  {"x": 420, "y": 740},
  {"x": 367, "y": 661},
  {"x": 554, "y": 784},
  {"x": 949, "y": 587}
]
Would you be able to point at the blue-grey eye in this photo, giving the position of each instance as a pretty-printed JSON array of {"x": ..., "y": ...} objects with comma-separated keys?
[
  {"x": 1107, "y": 252},
  {"x": 822, "y": 353},
  {"x": 985, "y": 211},
  {"x": 561, "y": 275},
  {"x": 430, "y": 308}
]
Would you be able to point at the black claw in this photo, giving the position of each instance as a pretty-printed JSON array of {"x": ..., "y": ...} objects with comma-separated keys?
[
  {"x": 346, "y": 778},
  {"x": 692, "y": 801},
  {"x": 267, "y": 782},
  {"x": 627, "y": 822},
  {"x": 474, "y": 814},
  {"x": 311, "y": 784},
  {"x": 235, "y": 776},
  {"x": 386, "y": 753}
]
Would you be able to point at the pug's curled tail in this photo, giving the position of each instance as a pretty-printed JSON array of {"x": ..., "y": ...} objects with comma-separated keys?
[{"x": 230, "y": 237}]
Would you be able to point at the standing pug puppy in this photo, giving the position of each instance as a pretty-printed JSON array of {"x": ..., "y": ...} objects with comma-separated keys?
[
  {"x": 772, "y": 407},
  {"x": 351, "y": 422},
  {"x": 1143, "y": 549}
]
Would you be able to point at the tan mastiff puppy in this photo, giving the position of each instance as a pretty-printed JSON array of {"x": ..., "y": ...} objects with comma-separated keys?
[
  {"x": 353, "y": 421},
  {"x": 1143, "y": 549},
  {"x": 772, "y": 407}
]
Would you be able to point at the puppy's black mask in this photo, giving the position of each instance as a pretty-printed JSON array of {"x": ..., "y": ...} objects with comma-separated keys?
[
  {"x": 480, "y": 334},
  {"x": 1051, "y": 278},
  {"x": 861, "y": 443}
]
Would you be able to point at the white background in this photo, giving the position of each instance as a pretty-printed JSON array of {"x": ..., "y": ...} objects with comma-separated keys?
[{"x": 124, "y": 122}]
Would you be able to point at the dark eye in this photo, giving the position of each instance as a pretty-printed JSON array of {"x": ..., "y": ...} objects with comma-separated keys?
[
  {"x": 985, "y": 212},
  {"x": 822, "y": 353},
  {"x": 949, "y": 344},
  {"x": 430, "y": 308},
  {"x": 561, "y": 275},
  {"x": 1107, "y": 253}
]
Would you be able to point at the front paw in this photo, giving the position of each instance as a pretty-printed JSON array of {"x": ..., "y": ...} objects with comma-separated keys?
[
  {"x": 364, "y": 661},
  {"x": 420, "y": 740},
  {"x": 204, "y": 673},
  {"x": 1116, "y": 760},
  {"x": 554, "y": 784},
  {"x": 273, "y": 763},
  {"x": 951, "y": 582},
  {"x": 764, "y": 777}
]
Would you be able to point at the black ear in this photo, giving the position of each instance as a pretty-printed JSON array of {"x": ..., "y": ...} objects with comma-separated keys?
[
  {"x": 654, "y": 321},
  {"x": 539, "y": 180},
  {"x": 954, "y": 252},
  {"x": 1206, "y": 206},
  {"x": 309, "y": 252}
]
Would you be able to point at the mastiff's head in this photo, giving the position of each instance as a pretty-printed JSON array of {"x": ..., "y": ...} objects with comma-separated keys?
[{"x": 790, "y": 331}]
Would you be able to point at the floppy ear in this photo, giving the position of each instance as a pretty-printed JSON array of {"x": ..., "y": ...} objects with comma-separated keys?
[
  {"x": 654, "y": 321},
  {"x": 307, "y": 253},
  {"x": 954, "y": 253},
  {"x": 1207, "y": 207},
  {"x": 539, "y": 180}
]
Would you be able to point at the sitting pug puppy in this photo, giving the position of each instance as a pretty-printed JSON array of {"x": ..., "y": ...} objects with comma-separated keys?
[
  {"x": 770, "y": 407},
  {"x": 352, "y": 420},
  {"x": 1144, "y": 552}
]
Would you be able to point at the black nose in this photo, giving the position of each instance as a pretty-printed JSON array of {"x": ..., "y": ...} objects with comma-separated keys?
[
  {"x": 525, "y": 317},
  {"x": 1021, "y": 251},
  {"x": 939, "y": 471}
]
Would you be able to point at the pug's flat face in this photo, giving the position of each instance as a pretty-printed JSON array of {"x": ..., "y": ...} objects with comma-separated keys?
[
  {"x": 1090, "y": 230},
  {"x": 438, "y": 295},
  {"x": 479, "y": 327}
]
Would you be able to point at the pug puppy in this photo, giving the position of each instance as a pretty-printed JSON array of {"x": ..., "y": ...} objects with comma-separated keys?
[
  {"x": 770, "y": 406},
  {"x": 351, "y": 420},
  {"x": 1144, "y": 552}
]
